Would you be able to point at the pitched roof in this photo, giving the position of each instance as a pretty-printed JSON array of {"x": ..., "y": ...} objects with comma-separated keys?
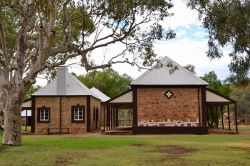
[
  {"x": 163, "y": 76},
  {"x": 98, "y": 94},
  {"x": 64, "y": 85}
]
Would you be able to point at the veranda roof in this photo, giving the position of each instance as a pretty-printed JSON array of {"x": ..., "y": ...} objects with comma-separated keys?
[
  {"x": 214, "y": 98},
  {"x": 126, "y": 97},
  {"x": 27, "y": 104}
]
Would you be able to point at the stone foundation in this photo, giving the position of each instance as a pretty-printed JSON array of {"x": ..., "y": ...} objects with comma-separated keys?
[{"x": 168, "y": 123}]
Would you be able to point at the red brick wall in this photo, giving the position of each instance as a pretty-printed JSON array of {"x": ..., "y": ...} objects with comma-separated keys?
[
  {"x": 102, "y": 115},
  {"x": 155, "y": 109},
  {"x": 67, "y": 103},
  {"x": 54, "y": 104},
  {"x": 94, "y": 103}
]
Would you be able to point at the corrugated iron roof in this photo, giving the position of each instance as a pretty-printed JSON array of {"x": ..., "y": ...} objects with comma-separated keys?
[
  {"x": 161, "y": 74},
  {"x": 98, "y": 94},
  {"x": 73, "y": 87}
]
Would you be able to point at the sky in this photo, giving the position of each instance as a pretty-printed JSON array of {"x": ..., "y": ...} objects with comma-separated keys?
[{"x": 188, "y": 47}]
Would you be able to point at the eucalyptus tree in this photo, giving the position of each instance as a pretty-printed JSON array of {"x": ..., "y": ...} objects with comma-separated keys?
[
  {"x": 228, "y": 24},
  {"x": 242, "y": 96},
  {"x": 108, "y": 81},
  {"x": 37, "y": 35},
  {"x": 215, "y": 84}
]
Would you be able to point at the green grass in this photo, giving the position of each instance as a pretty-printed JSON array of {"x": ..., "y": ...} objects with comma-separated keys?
[
  {"x": 28, "y": 128},
  {"x": 214, "y": 150}
]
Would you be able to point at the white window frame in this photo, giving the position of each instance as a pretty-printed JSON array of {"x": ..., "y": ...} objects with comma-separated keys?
[
  {"x": 43, "y": 117},
  {"x": 77, "y": 114}
]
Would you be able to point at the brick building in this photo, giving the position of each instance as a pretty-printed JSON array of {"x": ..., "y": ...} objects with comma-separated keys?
[
  {"x": 66, "y": 106},
  {"x": 166, "y": 99}
]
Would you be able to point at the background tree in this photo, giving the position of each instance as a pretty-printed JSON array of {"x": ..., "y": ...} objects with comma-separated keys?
[
  {"x": 112, "y": 84},
  {"x": 39, "y": 35},
  {"x": 215, "y": 84},
  {"x": 31, "y": 90},
  {"x": 242, "y": 96},
  {"x": 227, "y": 22},
  {"x": 108, "y": 81},
  {"x": 190, "y": 68}
]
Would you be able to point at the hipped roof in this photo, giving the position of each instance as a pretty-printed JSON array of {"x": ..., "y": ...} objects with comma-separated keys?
[
  {"x": 98, "y": 94},
  {"x": 161, "y": 74},
  {"x": 73, "y": 87}
]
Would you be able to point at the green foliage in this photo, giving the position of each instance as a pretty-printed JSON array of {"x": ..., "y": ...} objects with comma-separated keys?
[
  {"x": 215, "y": 84},
  {"x": 227, "y": 23},
  {"x": 32, "y": 90},
  {"x": 107, "y": 81},
  {"x": 242, "y": 96},
  {"x": 190, "y": 68},
  {"x": 93, "y": 24}
]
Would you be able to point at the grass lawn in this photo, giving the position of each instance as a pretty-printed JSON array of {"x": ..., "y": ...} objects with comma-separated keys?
[
  {"x": 94, "y": 149},
  {"x": 24, "y": 129}
]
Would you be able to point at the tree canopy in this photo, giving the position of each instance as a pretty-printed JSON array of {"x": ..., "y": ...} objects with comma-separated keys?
[
  {"x": 36, "y": 36},
  {"x": 190, "y": 68},
  {"x": 107, "y": 81},
  {"x": 228, "y": 24},
  {"x": 215, "y": 84},
  {"x": 31, "y": 90},
  {"x": 242, "y": 96}
]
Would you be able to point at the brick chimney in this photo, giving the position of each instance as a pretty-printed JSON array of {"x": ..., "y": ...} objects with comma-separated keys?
[{"x": 61, "y": 79}]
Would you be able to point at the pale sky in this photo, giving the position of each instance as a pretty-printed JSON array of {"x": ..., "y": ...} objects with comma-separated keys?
[{"x": 189, "y": 47}]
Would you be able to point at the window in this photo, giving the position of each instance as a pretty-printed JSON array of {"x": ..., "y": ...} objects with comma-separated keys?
[
  {"x": 78, "y": 113},
  {"x": 44, "y": 115}
]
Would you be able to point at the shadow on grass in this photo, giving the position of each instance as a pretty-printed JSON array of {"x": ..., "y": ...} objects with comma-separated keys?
[
  {"x": 3, "y": 148},
  {"x": 174, "y": 150}
]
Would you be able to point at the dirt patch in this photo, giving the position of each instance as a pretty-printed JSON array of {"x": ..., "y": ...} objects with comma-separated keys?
[
  {"x": 2, "y": 148},
  {"x": 244, "y": 144},
  {"x": 174, "y": 150},
  {"x": 60, "y": 160},
  {"x": 139, "y": 145},
  {"x": 246, "y": 149}
]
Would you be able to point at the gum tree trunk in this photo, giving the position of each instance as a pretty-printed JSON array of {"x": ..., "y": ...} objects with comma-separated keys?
[{"x": 12, "y": 119}]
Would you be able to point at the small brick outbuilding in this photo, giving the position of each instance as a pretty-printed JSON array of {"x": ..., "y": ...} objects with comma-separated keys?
[{"x": 66, "y": 106}]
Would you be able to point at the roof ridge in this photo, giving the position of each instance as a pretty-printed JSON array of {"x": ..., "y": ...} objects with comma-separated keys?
[
  {"x": 164, "y": 62},
  {"x": 145, "y": 73},
  {"x": 188, "y": 72}
]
